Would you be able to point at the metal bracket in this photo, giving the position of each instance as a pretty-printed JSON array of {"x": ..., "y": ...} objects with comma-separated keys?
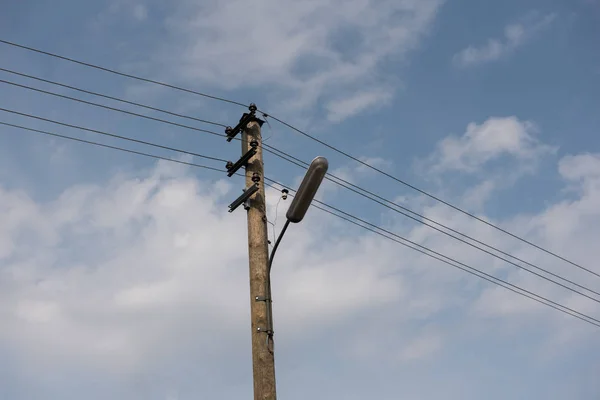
[
  {"x": 242, "y": 162},
  {"x": 266, "y": 300},
  {"x": 242, "y": 199},
  {"x": 246, "y": 117}
]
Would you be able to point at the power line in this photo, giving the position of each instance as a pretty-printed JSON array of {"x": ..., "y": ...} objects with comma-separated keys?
[
  {"x": 350, "y": 187},
  {"x": 487, "y": 277},
  {"x": 471, "y": 270},
  {"x": 108, "y": 134},
  {"x": 110, "y": 108},
  {"x": 310, "y": 137},
  {"x": 347, "y": 155},
  {"x": 112, "y": 71},
  {"x": 440, "y": 257},
  {"x": 113, "y": 147},
  {"x": 303, "y": 162},
  {"x": 274, "y": 151},
  {"x": 110, "y": 97}
]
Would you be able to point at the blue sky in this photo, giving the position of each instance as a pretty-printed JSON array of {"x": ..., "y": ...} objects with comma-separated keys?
[{"x": 116, "y": 277}]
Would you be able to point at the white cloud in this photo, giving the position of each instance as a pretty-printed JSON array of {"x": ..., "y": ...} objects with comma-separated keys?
[
  {"x": 116, "y": 278},
  {"x": 342, "y": 109},
  {"x": 305, "y": 52},
  {"x": 140, "y": 12},
  {"x": 157, "y": 250},
  {"x": 477, "y": 196},
  {"x": 481, "y": 144},
  {"x": 580, "y": 167},
  {"x": 421, "y": 347},
  {"x": 355, "y": 173},
  {"x": 118, "y": 9},
  {"x": 515, "y": 36}
]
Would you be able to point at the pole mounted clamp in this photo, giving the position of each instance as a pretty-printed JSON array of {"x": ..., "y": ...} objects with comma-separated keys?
[
  {"x": 242, "y": 162},
  {"x": 243, "y": 198},
  {"x": 246, "y": 118},
  {"x": 268, "y": 331}
]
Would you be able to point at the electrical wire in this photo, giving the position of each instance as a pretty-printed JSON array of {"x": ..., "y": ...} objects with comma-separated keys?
[
  {"x": 265, "y": 116},
  {"x": 443, "y": 258},
  {"x": 346, "y": 184},
  {"x": 110, "y": 134},
  {"x": 347, "y": 155},
  {"x": 447, "y": 260},
  {"x": 133, "y": 103},
  {"x": 331, "y": 147},
  {"x": 479, "y": 274},
  {"x": 274, "y": 151},
  {"x": 113, "y": 71},
  {"x": 276, "y": 215},
  {"x": 350, "y": 186},
  {"x": 110, "y": 108},
  {"x": 112, "y": 147}
]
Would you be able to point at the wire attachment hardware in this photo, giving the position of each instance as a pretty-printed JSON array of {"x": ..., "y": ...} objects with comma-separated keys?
[
  {"x": 242, "y": 162},
  {"x": 243, "y": 198},
  {"x": 246, "y": 118},
  {"x": 267, "y": 331}
]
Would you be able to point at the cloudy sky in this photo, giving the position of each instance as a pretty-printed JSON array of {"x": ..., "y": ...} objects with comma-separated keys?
[{"x": 125, "y": 278}]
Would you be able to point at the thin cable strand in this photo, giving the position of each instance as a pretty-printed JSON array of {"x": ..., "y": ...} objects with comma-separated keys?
[
  {"x": 379, "y": 202},
  {"x": 310, "y": 137},
  {"x": 347, "y": 155},
  {"x": 461, "y": 240},
  {"x": 418, "y": 247},
  {"x": 550, "y": 303},
  {"x": 112, "y": 71},
  {"x": 276, "y": 215},
  {"x": 432, "y": 251},
  {"x": 112, "y": 147},
  {"x": 110, "y": 108},
  {"x": 350, "y": 186},
  {"x": 110, "y": 134},
  {"x": 489, "y": 278},
  {"x": 274, "y": 151},
  {"x": 110, "y": 97}
]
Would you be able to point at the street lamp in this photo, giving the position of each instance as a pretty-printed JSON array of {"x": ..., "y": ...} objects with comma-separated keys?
[{"x": 304, "y": 196}]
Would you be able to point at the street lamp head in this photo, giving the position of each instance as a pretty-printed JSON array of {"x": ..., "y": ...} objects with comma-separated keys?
[{"x": 307, "y": 190}]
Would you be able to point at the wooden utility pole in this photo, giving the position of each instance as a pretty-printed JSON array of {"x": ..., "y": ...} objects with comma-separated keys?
[{"x": 263, "y": 359}]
